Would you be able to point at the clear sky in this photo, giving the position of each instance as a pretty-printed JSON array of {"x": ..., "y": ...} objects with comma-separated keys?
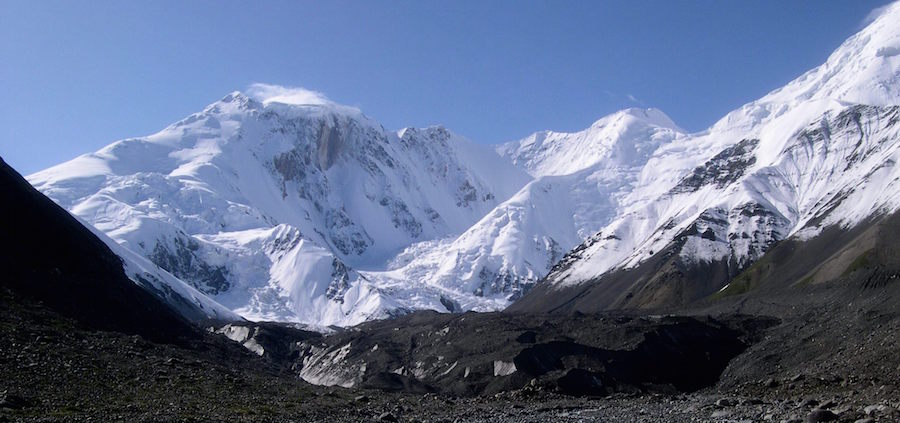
[{"x": 77, "y": 75}]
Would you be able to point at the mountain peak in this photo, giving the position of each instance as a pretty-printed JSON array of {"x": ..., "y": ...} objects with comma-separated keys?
[
  {"x": 202, "y": 198},
  {"x": 628, "y": 135},
  {"x": 233, "y": 101},
  {"x": 296, "y": 99},
  {"x": 648, "y": 116},
  {"x": 234, "y": 96}
]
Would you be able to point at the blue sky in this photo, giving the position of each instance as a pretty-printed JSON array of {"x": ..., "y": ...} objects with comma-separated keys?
[{"x": 77, "y": 75}]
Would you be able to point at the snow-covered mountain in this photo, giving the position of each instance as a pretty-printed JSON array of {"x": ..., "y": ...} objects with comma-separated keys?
[
  {"x": 819, "y": 152},
  {"x": 281, "y": 205},
  {"x": 269, "y": 207}
]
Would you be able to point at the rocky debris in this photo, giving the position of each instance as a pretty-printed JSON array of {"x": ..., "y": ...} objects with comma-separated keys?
[
  {"x": 881, "y": 410},
  {"x": 387, "y": 417},
  {"x": 808, "y": 403},
  {"x": 726, "y": 402},
  {"x": 820, "y": 415},
  {"x": 13, "y": 402}
]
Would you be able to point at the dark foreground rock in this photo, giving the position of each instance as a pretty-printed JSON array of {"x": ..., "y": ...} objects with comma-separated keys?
[{"x": 52, "y": 369}]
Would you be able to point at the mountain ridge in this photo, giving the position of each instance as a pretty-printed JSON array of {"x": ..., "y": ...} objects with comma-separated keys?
[{"x": 787, "y": 165}]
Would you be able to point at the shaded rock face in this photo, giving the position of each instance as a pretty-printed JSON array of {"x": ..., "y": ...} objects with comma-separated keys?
[
  {"x": 320, "y": 146},
  {"x": 303, "y": 170},
  {"x": 503, "y": 281},
  {"x": 340, "y": 281},
  {"x": 724, "y": 168},
  {"x": 854, "y": 123},
  {"x": 182, "y": 261},
  {"x": 686, "y": 356},
  {"x": 344, "y": 234}
]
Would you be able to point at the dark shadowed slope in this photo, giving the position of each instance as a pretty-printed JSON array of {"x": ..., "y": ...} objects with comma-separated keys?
[
  {"x": 49, "y": 256},
  {"x": 863, "y": 257}
]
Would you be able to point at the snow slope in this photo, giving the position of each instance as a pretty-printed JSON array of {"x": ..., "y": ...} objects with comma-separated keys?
[{"x": 626, "y": 137}]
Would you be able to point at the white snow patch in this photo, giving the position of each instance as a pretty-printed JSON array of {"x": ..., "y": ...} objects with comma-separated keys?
[
  {"x": 504, "y": 368},
  {"x": 331, "y": 369},
  {"x": 252, "y": 345}
]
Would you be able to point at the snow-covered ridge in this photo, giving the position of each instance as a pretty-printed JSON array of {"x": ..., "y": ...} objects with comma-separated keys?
[{"x": 819, "y": 151}]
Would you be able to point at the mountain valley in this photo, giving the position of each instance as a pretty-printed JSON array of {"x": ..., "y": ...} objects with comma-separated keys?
[{"x": 274, "y": 260}]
